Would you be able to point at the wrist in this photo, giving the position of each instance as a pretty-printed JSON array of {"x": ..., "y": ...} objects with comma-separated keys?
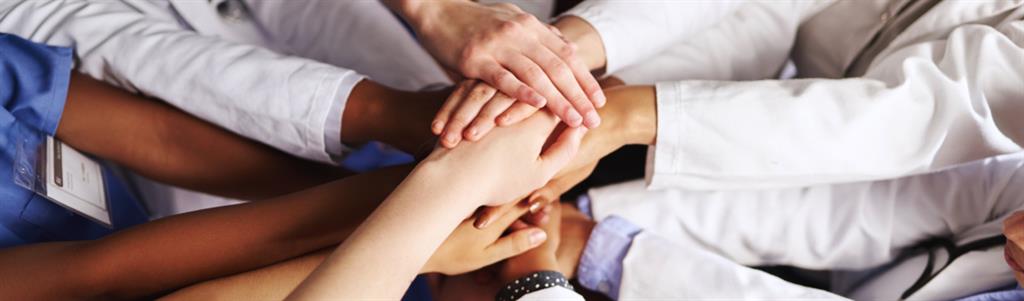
[
  {"x": 515, "y": 269},
  {"x": 461, "y": 193},
  {"x": 635, "y": 113},
  {"x": 397, "y": 118},
  {"x": 580, "y": 32},
  {"x": 422, "y": 15}
]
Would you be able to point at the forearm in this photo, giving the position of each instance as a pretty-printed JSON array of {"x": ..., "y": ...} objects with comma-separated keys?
[
  {"x": 387, "y": 239},
  {"x": 184, "y": 249},
  {"x": 397, "y": 118},
  {"x": 173, "y": 147}
]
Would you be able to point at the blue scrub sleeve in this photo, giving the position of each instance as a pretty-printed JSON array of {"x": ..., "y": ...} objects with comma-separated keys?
[{"x": 34, "y": 81}]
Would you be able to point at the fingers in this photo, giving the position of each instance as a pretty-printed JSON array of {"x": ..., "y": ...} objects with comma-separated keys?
[
  {"x": 561, "y": 151},
  {"x": 489, "y": 214},
  {"x": 441, "y": 118},
  {"x": 566, "y": 50},
  {"x": 516, "y": 113},
  {"x": 485, "y": 121},
  {"x": 554, "y": 189},
  {"x": 506, "y": 82},
  {"x": 501, "y": 216},
  {"x": 515, "y": 243},
  {"x": 525, "y": 68},
  {"x": 559, "y": 73},
  {"x": 466, "y": 112}
]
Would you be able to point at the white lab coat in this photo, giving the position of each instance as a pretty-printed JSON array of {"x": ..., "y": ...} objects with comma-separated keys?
[
  {"x": 697, "y": 244},
  {"x": 222, "y": 71},
  {"x": 280, "y": 76},
  {"x": 947, "y": 90}
]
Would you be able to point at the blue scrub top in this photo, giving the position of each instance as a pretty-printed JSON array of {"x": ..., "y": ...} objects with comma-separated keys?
[{"x": 33, "y": 88}]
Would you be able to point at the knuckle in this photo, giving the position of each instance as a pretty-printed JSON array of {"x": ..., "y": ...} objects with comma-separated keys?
[
  {"x": 509, "y": 27},
  {"x": 559, "y": 66},
  {"x": 534, "y": 72},
  {"x": 566, "y": 50},
  {"x": 479, "y": 93},
  {"x": 460, "y": 120},
  {"x": 524, "y": 18},
  {"x": 500, "y": 77},
  {"x": 521, "y": 244}
]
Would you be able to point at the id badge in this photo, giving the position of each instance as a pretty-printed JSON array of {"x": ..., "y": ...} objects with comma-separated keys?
[{"x": 75, "y": 181}]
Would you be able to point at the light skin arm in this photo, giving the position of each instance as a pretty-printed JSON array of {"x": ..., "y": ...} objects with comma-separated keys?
[
  {"x": 167, "y": 145},
  {"x": 406, "y": 229}
]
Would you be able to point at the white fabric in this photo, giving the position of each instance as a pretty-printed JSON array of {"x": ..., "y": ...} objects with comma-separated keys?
[
  {"x": 839, "y": 226},
  {"x": 553, "y": 293},
  {"x": 633, "y": 31},
  {"x": 947, "y": 90},
  {"x": 209, "y": 66},
  {"x": 279, "y": 100}
]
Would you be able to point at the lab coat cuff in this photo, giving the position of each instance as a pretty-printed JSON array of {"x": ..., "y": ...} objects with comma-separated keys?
[
  {"x": 600, "y": 267},
  {"x": 664, "y": 159},
  {"x": 608, "y": 27},
  {"x": 332, "y": 126}
]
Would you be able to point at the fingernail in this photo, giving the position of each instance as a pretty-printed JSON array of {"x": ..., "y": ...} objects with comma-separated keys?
[
  {"x": 538, "y": 101},
  {"x": 451, "y": 139},
  {"x": 536, "y": 206},
  {"x": 482, "y": 222},
  {"x": 537, "y": 237},
  {"x": 472, "y": 133},
  {"x": 437, "y": 126},
  {"x": 592, "y": 120},
  {"x": 574, "y": 118},
  {"x": 599, "y": 98},
  {"x": 503, "y": 120}
]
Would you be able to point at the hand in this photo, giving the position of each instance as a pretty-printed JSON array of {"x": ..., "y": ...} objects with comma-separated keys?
[
  {"x": 469, "y": 248},
  {"x": 575, "y": 232},
  {"x": 1013, "y": 229},
  {"x": 510, "y": 50},
  {"x": 541, "y": 258},
  {"x": 539, "y": 199},
  {"x": 510, "y": 163},
  {"x": 473, "y": 110}
]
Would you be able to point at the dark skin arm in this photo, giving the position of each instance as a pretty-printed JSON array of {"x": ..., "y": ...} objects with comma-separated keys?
[
  {"x": 173, "y": 252},
  {"x": 170, "y": 146},
  {"x": 397, "y": 118}
]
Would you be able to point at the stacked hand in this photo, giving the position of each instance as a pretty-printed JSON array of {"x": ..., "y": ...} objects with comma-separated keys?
[{"x": 509, "y": 50}]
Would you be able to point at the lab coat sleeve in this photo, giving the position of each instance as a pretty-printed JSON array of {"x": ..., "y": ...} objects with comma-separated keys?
[
  {"x": 921, "y": 107},
  {"x": 279, "y": 100},
  {"x": 554, "y": 293},
  {"x": 751, "y": 43},
  {"x": 632, "y": 31},
  {"x": 656, "y": 268},
  {"x": 838, "y": 226}
]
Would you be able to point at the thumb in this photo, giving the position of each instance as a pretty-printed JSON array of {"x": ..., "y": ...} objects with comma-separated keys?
[
  {"x": 515, "y": 243},
  {"x": 561, "y": 151}
]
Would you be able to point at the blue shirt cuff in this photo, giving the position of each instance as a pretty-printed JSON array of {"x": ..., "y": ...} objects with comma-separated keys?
[
  {"x": 583, "y": 204},
  {"x": 600, "y": 267}
]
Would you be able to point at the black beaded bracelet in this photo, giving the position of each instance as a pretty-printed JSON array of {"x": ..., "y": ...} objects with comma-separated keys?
[{"x": 532, "y": 283}]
